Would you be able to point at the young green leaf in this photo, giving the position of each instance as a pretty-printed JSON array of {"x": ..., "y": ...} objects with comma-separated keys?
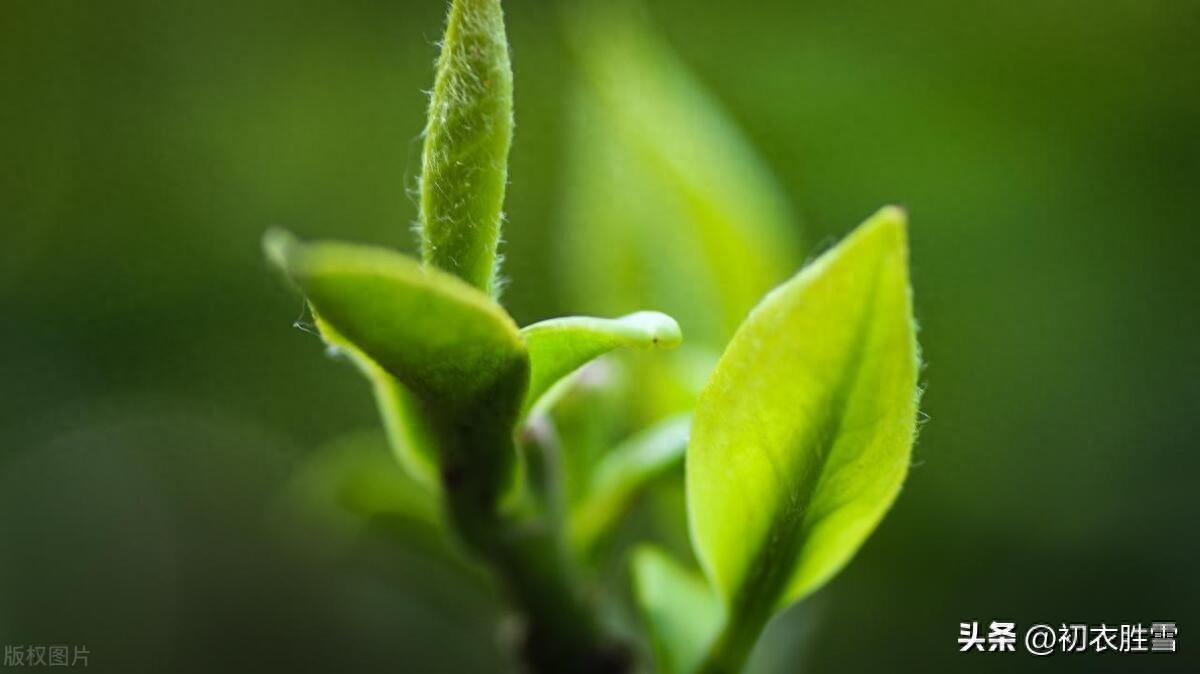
[
  {"x": 667, "y": 203},
  {"x": 623, "y": 472},
  {"x": 465, "y": 162},
  {"x": 560, "y": 346},
  {"x": 803, "y": 435},
  {"x": 407, "y": 432},
  {"x": 446, "y": 341},
  {"x": 680, "y": 610},
  {"x": 454, "y": 348}
]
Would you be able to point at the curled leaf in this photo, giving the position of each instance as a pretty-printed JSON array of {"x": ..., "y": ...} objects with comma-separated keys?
[{"x": 560, "y": 346}]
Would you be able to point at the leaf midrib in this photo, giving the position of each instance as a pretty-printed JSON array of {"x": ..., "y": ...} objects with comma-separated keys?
[{"x": 774, "y": 565}]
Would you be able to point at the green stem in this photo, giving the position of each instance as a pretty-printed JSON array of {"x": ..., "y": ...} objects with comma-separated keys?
[
  {"x": 743, "y": 625},
  {"x": 526, "y": 552},
  {"x": 729, "y": 652},
  {"x": 562, "y": 633}
]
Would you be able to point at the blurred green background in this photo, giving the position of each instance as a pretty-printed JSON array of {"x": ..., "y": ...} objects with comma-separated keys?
[{"x": 156, "y": 399}]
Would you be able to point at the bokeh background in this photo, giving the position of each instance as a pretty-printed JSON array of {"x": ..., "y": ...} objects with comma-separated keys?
[{"x": 156, "y": 399}]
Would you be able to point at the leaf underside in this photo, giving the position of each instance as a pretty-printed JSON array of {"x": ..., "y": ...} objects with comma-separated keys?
[
  {"x": 450, "y": 345},
  {"x": 443, "y": 339},
  {"x": 407, "y": 432},
  {"x": 560, "y": 346}
]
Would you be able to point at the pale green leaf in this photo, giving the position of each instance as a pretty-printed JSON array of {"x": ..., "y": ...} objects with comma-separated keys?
[
  {"x": 465, "y": 161},
  {"x": 803, "y": 435},
  {"x": 623, "y": 472},
  {"x": 667, "y": 203},
  {"x": 681, "y": 612},
  {"x": 560, "y": 346}
]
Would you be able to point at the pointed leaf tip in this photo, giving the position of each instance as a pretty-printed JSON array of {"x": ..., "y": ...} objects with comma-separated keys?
[
  {"x": 891, "y": 223},
  {"x": 277, "y": 244}
]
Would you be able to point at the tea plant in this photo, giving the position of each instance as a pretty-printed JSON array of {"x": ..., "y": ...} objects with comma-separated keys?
[{"x": 798, "y": 443}]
